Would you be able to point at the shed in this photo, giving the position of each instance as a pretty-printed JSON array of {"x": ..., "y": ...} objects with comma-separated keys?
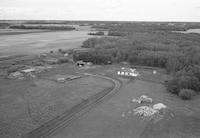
[
  {"x": 81, "y": 63},
  {"x": 127, "y": 72}
]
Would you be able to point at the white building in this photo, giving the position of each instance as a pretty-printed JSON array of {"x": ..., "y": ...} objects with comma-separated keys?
[
  {"x": 154, "y": 71},
  {"x": 127, "y": 72}
]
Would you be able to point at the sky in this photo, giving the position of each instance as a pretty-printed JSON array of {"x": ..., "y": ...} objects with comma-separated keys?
[{"x": 109, "y": 10}]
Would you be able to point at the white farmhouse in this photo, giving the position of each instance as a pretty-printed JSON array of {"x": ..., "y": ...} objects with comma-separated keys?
[{"x": 127, "y": 72}]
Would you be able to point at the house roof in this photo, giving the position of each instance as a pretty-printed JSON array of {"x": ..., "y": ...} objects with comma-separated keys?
[{"x": 128, "y": 70}]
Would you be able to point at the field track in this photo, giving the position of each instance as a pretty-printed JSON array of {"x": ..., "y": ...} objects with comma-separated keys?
[{"x": 75, "y": 112}]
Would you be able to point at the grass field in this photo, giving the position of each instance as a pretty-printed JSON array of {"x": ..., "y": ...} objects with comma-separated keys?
[
  {"x": 27, "y": 104},
  {"x": 106, "y": 120}
]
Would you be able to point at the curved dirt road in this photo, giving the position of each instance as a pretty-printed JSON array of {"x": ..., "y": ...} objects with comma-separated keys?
[{"x": 67, "y": 117}]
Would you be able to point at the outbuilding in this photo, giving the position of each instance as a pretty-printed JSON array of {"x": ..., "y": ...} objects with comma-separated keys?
[
  {"x": 127, "y": 72},
  {"x": 81, "y": 63}
]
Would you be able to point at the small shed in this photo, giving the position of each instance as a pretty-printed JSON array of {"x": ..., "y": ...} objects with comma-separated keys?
[
  {"x": 81, "y": 63},
  {"x": 154, "y": 71},
  {"x": 128, "y": 72},
  {"x": 109, "y": 62},
  {"x": 89, "y": 63},
  {"x": 66, "y": 55}
]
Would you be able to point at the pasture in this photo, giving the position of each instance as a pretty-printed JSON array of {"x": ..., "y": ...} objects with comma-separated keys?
[
  {"x": 27, "y": 104},
  {"x": 107, "y": 120}
]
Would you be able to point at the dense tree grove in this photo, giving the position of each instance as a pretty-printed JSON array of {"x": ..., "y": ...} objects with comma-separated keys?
[
  {"x": 121, "y": 49},
  {"x": 177, "y": 53}
]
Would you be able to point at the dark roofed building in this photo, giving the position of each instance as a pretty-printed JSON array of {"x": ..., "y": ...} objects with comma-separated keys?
[{"x": 81, "y": 63}]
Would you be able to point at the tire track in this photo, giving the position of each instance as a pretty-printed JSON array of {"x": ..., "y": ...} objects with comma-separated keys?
[{"x": 75, "y": 112}]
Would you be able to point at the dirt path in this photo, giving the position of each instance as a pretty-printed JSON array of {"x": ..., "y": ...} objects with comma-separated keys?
[{"x": 67, "y": 117}]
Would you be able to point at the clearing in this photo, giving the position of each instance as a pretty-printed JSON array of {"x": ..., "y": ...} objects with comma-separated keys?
[
  {"x": 109, "y": 120},
  {"x": 28, "y": 103}
]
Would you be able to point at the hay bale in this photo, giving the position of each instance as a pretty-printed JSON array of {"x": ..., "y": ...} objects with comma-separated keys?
[
  {"x": 159, "y": 106},
  {"x": 135, "y": 101},
  {"x": 16, "y": 75},
  {"x": 145, "y": 111},
  {"x": 145, "y": 99}
]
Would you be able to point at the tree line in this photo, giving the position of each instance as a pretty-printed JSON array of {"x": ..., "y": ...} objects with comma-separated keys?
[{"x": 178, "y": 54}]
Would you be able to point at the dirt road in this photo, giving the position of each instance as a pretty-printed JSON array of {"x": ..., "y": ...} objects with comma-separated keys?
[{"x": 67, "y": 117}]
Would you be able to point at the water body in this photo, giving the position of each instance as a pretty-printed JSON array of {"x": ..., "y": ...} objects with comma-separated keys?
[
  {"x": 34, "y": 43},
  {"x": 189, "y": 31}
]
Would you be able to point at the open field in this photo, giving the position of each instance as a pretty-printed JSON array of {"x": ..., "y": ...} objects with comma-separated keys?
[
  {"x": 27, "y": 104},
  {"x": 65, "y": 119},
  {"x": 35, "y": 102},
  {"x": 30, "y": 100},
  {"x": 106, "y": 121}
]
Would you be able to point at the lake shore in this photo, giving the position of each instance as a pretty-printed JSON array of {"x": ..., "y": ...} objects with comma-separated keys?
[{"x": 37, "y": 42}]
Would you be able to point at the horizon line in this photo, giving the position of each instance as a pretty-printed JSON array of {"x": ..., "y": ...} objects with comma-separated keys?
[{"x": 98, "y": 20}]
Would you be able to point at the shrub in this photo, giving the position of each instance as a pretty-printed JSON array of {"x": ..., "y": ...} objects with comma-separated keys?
[
  {"x": 183, "y": 81},
  {"x": 37, "y": 63},
  {"x": 61, "y": 51},
  {"x": 186, "y": 94},
  {"x": 172, "y": 86},
  {"x": 189, "y": 82},
  {"x": 90, "y": 43},
  {"x": 173, "y": 65},
  {"x": 196, "y": 71}
]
